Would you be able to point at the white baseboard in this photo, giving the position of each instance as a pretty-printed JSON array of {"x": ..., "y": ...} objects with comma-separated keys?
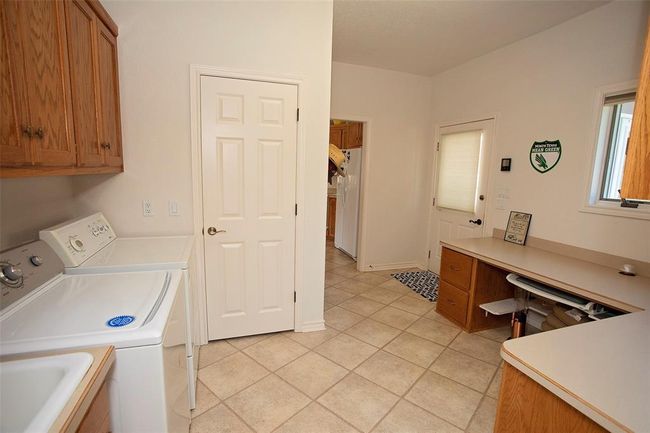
[
  {"x": 316, "y": 325},
  {"x": 384, "y": 267}
]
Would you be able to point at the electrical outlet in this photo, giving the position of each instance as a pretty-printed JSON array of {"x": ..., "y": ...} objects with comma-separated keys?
[
  {"x": 173, "y": 208},
  {"x": 147, "y": 209}
]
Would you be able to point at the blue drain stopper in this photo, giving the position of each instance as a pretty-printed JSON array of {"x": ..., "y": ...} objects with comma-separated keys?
[{"x": 119, "y": 321}]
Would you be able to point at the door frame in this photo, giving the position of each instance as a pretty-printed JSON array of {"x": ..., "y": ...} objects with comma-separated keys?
[
  {"x": 196, "y": 72},
  {"x": 363, "y": 196},
  {"x": 434, "y": 174}
]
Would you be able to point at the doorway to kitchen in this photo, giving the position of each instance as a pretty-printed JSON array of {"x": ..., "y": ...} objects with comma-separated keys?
[{"x": 344, "y": 188}]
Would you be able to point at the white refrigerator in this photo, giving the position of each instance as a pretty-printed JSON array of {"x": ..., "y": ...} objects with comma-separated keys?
[{"x": 347, "y": 203}]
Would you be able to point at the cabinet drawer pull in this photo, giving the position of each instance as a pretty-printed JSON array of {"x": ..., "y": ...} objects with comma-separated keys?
[
  {"x": 27, "y": 131},
  {"x": 450, "y": 301},
  {"x": 106, "y": 145},
  {"x": 40, "y": 133},
  {"x": 454, "y": 268}
]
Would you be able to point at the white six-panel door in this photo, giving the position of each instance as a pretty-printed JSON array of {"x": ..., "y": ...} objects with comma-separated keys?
[{"x": 248, "y": 135}]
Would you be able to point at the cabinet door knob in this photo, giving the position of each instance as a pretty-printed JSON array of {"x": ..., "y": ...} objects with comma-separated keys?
[
  {"x": 40, "y": 133},
  {"x": 27, "y": 131},
  {"x": 105, "y": 145}
]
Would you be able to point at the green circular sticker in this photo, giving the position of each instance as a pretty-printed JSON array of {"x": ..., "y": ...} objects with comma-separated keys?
[{"x": 544, "y": 155}]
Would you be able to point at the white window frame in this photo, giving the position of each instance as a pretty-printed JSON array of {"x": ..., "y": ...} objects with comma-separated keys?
[{"x": 598, "y": 157}]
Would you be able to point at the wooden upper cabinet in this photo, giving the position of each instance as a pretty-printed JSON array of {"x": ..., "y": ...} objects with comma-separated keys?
[
  {"x": 60, "y": 102},
  {"x": 82, "y": 31},
  {"x": 636, "y": 176},
  {"x": 355, "y": 135},
  {"x": 348, "y": 135},
  {"x": 38, "y": 71},
  {"x": 109, "y": 99},
  {"x": 15, "y": 148}
]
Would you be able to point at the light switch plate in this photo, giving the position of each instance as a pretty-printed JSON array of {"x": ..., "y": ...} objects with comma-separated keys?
[{"x": 173, "y": 208}]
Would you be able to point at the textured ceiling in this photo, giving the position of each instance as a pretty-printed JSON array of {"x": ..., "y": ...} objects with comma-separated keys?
[{"x": 427, "y": 37}]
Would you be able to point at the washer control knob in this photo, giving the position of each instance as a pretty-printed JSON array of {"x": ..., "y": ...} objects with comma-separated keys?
[
  {"x": 36, "y": 260},
  {"x": 12, "y": 273},
  {"x": 76, "y": 244}
]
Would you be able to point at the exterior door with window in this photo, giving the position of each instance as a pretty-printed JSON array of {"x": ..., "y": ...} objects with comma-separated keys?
[
  {"x": 462, "y": 162},
  {"x": 248, "y": 140}
]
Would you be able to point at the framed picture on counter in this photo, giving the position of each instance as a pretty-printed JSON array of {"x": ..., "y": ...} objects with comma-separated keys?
[{"x": 517, "y": 229}]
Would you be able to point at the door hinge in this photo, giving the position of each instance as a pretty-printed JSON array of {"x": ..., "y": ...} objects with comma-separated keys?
[
  {"x": 297, "y": 114},
  {"x": 434, "y": 202},
  {"x": 203, "y": 231},
  {"x": 438, "y": 146},
  {"x": 294, "y": 297},
  {"x": 429, "y": 253},
  {"x": 296, "y": 209}
]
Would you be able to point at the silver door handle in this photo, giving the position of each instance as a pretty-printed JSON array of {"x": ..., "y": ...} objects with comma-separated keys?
[{"x": 213, "y": 231}]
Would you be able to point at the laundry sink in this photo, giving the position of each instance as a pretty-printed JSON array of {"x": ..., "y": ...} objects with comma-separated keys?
[{"x": 34, "y": 391}]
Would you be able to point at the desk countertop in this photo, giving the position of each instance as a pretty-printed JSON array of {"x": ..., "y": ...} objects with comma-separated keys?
[{"x": 599, "y": 368}]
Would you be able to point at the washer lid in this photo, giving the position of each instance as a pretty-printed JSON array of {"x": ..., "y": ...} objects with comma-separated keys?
[
  {"x": 139, "y": 254},
  {"x": 86, "y": 305}
]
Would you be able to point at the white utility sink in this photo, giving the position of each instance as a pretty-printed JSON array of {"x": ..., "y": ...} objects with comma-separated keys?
[{"x": 34, "y": 391}]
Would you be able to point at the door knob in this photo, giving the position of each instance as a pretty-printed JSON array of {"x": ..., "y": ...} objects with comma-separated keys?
[
  {"x": 477, "y": 221},
  {"x": 213, "y": 231}
]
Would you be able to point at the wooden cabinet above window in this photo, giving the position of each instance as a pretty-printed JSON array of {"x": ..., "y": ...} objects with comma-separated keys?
[{"x": 60, "y": 94}]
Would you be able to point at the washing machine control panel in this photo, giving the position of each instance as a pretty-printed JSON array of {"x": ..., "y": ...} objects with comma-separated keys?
[
  {"x": 76, "y": 241},
  {"x": 25, "y": 268}
]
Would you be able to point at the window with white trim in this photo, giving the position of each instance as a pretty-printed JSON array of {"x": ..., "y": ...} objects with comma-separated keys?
[{"x": 611, "y": 148}]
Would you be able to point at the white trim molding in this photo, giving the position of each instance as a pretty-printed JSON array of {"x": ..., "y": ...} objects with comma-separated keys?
[{"x": 196, "y": 71}]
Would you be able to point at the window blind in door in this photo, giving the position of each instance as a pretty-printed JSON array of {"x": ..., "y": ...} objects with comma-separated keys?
[{"x": 458, "y": 162}]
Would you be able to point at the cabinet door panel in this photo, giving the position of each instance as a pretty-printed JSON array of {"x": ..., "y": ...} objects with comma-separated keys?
[
  {"x": 81, "y": 28},
  {"x": 43, "y": 36},
  {"x": 15, "y": 147},
  {"x": 111, "y": 134}
]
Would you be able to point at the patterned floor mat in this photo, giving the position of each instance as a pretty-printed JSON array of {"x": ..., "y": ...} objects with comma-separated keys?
[{"x": 425, "y": 283}]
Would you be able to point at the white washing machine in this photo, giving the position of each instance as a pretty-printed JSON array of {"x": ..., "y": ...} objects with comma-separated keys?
[
  {"x": 89, "y": 245},
  {"x": 142, "y": 314}
]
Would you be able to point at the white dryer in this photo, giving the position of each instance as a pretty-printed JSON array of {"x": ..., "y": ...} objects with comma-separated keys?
[
  {"x": 141, "y": 314},
  {"x": 89, "y": 245}
]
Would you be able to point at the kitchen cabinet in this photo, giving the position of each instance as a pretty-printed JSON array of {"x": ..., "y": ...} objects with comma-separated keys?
[
  {"x": 347, "y": 135},
  {"x": 636, "y": 175},
  {"x": 60, "y": 92},
  {"x": 331, "y": 217}
]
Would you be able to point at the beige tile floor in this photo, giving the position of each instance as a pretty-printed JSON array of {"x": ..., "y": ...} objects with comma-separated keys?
[{"x": 386, "y": 363}]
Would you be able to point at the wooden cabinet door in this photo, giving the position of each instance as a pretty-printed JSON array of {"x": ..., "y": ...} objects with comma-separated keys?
[
  {"x": 355, "y": 135},
  {"x": 15, "y": 146},
  {"x": 636, "y": 175},
  {"x": 42, "y": 34},
  {"x": 331, "y": 217},
  {"x": 109, "y": 99},
  {"x": 338, "y": 136},
  {"x": 81, "y": 25}
]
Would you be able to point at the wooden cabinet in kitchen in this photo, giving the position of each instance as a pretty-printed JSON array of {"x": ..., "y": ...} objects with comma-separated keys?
[
  {"x": 347, "y": 135},
  {"x": 636, "y": 176},
  {"x": 331, "y": 217},
  {"x": 60, "y": 93}
]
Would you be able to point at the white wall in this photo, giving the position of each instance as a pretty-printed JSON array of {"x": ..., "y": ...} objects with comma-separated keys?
[
  {"x": 157, "y": 43},
  {"x": 30, "y": 204},
  {"x": 397, "y": 106},
  {"x": 544, "y": 87}
]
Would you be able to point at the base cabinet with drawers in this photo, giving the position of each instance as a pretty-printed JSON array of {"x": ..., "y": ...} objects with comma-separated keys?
[
  {"x": 59, "y": 106},
  {"x": 466, "y": 283}
]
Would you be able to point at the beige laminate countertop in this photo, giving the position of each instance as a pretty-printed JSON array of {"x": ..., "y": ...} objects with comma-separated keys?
[
  {"x": 589, "y": 280},
  {"x": 74, "y": 411},
  {"x": 600, "y": 368}
]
